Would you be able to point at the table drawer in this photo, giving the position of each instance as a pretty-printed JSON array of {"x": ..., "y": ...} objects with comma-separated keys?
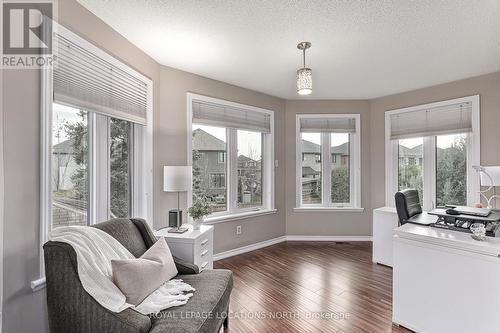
[
  {"x": 203, "y": 251},
  {"x": 204, "y": 259}
]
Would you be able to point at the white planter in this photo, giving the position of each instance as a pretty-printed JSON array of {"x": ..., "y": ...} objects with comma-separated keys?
[{"x": 197, "y": 223}]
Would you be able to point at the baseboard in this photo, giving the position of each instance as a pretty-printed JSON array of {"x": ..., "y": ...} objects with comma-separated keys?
[
  {"x": 307, "y": 238},
  {"x": 248, "y": 248},
  {"x": 289, "y": 238}
]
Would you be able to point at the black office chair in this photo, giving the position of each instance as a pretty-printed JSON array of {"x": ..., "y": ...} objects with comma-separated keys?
[{"x": 407, "y": 204}]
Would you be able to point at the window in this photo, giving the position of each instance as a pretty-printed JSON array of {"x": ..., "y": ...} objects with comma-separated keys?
[
  {"x": 249, "y": 168},
  {"x": 332, "y": 182},
  {"x": 96, "y": 149},
  {"x": 217, "y": 181},
  {"x": 232, "y": 156},
  {"x": 311, "y": 168},
  {"x": 451, "y": 169},
  {"x": 341, "y": 170},
  {"x": 410, "y": 175},
  {"x": 433, "y": 148},
  {"x": 120, "y": 167},
  {"x": 70, "y": 165},
  {"x": 209, "y": 174},
  {"x": 221, "y": 157},
  {"x": 72, "y": 172}
]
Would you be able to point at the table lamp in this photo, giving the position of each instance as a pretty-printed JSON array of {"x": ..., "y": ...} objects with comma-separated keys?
[
  {"x": 490, "y": 176},
  {"x": 176, "y": 179}
]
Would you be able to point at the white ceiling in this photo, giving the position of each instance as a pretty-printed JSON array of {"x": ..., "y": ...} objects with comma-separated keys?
[{"x": 360, "y": 49}]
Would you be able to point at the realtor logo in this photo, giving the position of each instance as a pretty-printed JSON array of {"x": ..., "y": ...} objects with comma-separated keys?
[{"x": 27, "y": 34}]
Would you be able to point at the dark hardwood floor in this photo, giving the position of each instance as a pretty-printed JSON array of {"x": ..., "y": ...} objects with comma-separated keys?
[{"x": 310, "y": 287}]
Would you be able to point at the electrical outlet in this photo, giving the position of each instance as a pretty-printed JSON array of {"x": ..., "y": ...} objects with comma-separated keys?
[{"x": 238, "y": 230}]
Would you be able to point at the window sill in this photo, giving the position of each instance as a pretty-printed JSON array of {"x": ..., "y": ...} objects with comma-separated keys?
[
  {"x": 239, "y": 216},
  {"x": 38, "y": 284},
  {"x": 329, "y": 209}
]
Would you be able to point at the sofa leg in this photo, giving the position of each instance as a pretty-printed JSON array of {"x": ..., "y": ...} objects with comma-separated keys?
[{"x": 226, "y": 322}]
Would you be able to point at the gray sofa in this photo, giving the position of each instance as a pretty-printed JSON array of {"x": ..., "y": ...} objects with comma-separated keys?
[{"x": 71, "y": 309}]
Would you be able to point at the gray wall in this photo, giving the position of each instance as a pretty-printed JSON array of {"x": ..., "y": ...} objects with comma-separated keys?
[{"x": 321, "y": 223}]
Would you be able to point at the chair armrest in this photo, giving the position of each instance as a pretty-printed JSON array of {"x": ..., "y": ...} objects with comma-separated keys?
[
  {"x": 185, "y": 267},
  {"x": 71, "y": 309}
]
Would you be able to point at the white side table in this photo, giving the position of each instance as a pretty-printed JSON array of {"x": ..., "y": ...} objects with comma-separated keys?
[{"x": 194, "y": 246}]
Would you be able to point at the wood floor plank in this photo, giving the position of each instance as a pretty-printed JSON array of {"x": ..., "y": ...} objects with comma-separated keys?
[{"x": 310, "y": 287}]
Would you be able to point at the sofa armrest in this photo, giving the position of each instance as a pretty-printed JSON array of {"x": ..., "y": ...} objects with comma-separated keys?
[
  {"x": 71, "y": 309},
  {"x": 185, "y": 267}
]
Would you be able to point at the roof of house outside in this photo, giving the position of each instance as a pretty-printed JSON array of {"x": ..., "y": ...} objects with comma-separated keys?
[
  {"x": 415, "y": 151},
  {"x": 243, "y": 158},
  {"x": 65, "y": 147},
  {"x": 308, "y": 171},
  {"x": 205, "y": 141},
  {"x": 343, "y": 149},
  {"x": 311, "y": 147}
]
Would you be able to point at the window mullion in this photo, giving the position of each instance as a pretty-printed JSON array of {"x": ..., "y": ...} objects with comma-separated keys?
[
  {"x": 471, "y": 180},
  {"x": 232, "y": 169},
  {"x": 429, "y": 173},
  {"x": 92, "y": 165},
  {"x": 131, "y": 164},
  {"x": 353, "y": 169},
  {"x": 100, "y": 168},
  {"x": 326, "y": 162}
]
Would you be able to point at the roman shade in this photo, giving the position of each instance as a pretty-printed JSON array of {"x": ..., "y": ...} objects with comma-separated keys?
[
  {"x": 212, "y": 114},
  {"x": 328, "y": 124},
  {"x": 449, "y": 119},
  {"x": 91, "y": 79}
]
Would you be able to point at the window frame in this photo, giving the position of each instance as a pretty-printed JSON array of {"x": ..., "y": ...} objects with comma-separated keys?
[
  {"x": 268, "y": 172},
  {"x": 429, "y": 155},
  {"x": 326, "y": 167}
]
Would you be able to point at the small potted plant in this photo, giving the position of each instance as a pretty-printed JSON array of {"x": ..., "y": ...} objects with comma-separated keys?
[{"x": 198, "y": 211}]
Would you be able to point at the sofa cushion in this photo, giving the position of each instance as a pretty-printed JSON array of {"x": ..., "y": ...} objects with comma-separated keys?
[
  {"x": 137, "y": 278},
  {"x": 213, "y": 289}
]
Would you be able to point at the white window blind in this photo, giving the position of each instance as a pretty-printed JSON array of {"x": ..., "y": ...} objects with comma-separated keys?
[
  {"x": 450, "y": 119},
  {"x": 212, "y": 114},
  {"x": 87, "y": 77},
  {"x": 328, "y": 125}
]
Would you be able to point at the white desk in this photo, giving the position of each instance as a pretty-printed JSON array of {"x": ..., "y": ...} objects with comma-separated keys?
[
  {"x": 385, "y": 220},
  {"x": 444, "y": 281},
  {"x": 194, "y": 246}
]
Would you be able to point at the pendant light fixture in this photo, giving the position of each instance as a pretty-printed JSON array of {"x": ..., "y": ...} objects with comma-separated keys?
[{"x": 304, "y": 75}]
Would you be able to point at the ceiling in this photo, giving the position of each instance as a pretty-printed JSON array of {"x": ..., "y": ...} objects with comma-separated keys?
[{"x": 360, "y": 49}]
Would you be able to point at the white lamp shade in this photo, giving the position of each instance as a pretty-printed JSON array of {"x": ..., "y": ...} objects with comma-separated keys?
[
  {"x": 494, "y": 173},
  {"x": 177, "y": 178}
]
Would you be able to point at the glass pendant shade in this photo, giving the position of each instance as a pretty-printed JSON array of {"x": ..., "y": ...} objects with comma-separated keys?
[{"x": 304, "y": 81}]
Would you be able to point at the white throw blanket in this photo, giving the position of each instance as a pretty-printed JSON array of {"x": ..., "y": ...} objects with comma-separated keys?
[{"x": 94, "y": 250}]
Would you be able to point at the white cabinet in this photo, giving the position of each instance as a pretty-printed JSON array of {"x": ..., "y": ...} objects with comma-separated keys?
[
  {"x": 385, "y": 220},
  {"x": 194, "y": 246}
]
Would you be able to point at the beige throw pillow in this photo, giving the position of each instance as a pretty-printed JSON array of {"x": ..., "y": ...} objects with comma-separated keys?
[{"x": 137, "y": 278}]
